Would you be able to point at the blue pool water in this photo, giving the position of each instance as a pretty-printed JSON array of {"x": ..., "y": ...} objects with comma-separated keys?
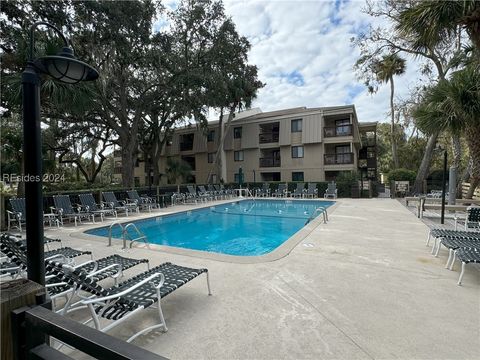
[{"x": 242, "y": 228}]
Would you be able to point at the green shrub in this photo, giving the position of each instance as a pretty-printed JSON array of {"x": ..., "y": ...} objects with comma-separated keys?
[
  {"x": 402, "y": 175},
  {"x": 435, "y": 175}
]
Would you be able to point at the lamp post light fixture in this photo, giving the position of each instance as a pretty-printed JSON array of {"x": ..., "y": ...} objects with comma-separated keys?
[{"x": 65, "y": 68}]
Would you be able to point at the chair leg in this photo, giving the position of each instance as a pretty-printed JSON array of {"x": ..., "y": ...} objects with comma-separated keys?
[
  {"x": 438, "y": 248},
  {"x": 450, "y": 252},
  {"x": 461, "y": 274},
  {"x": 453, "y": 260},
  {"x": 428, "y": 238},
  {"x": 435, "y": 240}
]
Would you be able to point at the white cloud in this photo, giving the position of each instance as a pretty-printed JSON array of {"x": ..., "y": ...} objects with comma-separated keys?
[{"x": 311, "y": 39}]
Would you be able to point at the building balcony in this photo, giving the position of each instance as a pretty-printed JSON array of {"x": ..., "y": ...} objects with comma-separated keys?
[
  {"x": 334, "y": 131},
  {"x": 117, "y": 153},
  {"x": 270, "y": 162},
  {"x": 268, "y": 137},
  {"x": 338, "y": 159},
  {"x": 117, "y": 170},
  {"x": 186, "y": 146}
]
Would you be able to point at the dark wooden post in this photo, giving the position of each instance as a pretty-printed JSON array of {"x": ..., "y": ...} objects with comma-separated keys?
[{"x": 14, "y": 294}]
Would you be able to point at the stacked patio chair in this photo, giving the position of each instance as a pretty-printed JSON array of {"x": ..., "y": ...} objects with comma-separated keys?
[
  {"x": 227, "y": 193},
  {"x": 465, "y": 245},
  {"x": 438, "y": 234},
  {"x": 217, "y": 195},
  {"x": 64, "y": 209},
  {"x": 112, "y": 202},
  {"x": 142, "y": 202},
  {"x": 90, "y": 206},
  {"x": 264, "y": 191},
  {"x": 18, "y": 214},
  {"x": 331, "y": 192},
  {"x": 177, "y": 198},
  {"x": 110, "y": 266},
  {"x": 281, "y": 191},
  {"x": 311, "y": 190},
  {"x": 467, "y": 255},
  {"x": 472, "y": 221},
  {"x": 9, "y": 268},
  {"x": 193, "y": 196},
  {"x": 202, "y": 192},
  {"x": 299, "y": 191},
  {"x": 122, "y": 301}
]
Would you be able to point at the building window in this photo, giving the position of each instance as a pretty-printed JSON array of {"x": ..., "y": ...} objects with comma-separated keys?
[
  {"x": 297, "y": 176},
  {"x": 297, "y": 125},
  {"x": 236, "y": 177},
  {"x": 238, "y": 155},
  {"x": 211, "y": 136},
  {"x": 211, "y": 157},
  {"x": 237, "y": 132},
  {"x": 297, "y": 151}
]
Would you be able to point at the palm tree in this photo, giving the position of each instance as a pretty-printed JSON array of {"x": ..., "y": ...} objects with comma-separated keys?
[
  {"x": 427, "y": 24},
  {"x": 432, "y": 21},
  {"x": 454, "y": 105},
  {"x": 177, "y": 170},
  {"x": 384, "y": 70}
]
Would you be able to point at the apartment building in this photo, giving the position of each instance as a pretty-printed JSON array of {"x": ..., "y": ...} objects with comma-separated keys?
[{"x": 299, "y": 144}]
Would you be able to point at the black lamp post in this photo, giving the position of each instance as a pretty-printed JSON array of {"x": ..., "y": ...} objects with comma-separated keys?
[
  {"x": 444, "y": 186},
  {"x": 66, "y": 68}
]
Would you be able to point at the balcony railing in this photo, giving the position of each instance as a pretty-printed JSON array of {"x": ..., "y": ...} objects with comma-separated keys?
[
  {"x": 269, "y": 162},
  {"x": 338, "y": 159},
  {"x": 117, "y": 153},
  {"x": 343, "y": 130},
  {"x": 186, "y": 146},
  {"x": 268, "y": 137},
  {"x": 117, "y": 170}
]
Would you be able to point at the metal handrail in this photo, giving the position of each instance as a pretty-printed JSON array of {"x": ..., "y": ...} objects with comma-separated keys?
[
  {"x": 323, "y": 212},
  {"x": 141, "y": 237},
  {"x": 110, "y": 231}
]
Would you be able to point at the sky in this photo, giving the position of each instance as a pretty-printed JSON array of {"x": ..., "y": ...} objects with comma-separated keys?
[{"x": 305, "y": 56}]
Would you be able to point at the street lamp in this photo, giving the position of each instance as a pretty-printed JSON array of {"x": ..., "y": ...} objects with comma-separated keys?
[
  {"x": 444, "y": 182},
  {"x": 65, "y": 68}
]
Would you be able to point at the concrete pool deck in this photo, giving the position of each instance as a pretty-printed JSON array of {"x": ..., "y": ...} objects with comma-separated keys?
[{"x": 361, "y": 286}]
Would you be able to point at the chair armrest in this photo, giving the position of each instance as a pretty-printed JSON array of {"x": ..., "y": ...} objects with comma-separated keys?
[
  {"x": 109, "y": 204},
  {"x": 95, "y": 266},
  {"x": 63, "y": 257},
  {"x": 130, "y": 289},
  {"x": 108, "y": 268},
  {"x": 55, "y": 284}
]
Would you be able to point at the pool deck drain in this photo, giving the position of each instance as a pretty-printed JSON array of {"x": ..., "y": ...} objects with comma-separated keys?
[{"x": 367, "y": 289}]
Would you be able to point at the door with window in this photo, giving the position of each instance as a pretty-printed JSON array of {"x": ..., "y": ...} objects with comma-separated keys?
[
  {"x": 343, "y": 154},
  {"x": 343, "y": 127}
]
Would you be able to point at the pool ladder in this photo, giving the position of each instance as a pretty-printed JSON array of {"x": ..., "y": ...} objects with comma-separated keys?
[
  {"x": 322, "y": 210},
  {"x": 126, "y": 235}
]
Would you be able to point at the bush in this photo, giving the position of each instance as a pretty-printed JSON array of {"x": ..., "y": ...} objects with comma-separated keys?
[
  {"x": 435, "y": 175},
  {"x": 402, "y": 175}
]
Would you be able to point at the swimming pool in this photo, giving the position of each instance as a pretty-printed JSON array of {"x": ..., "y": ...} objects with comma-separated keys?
[{"x": 241, "y": 228}]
